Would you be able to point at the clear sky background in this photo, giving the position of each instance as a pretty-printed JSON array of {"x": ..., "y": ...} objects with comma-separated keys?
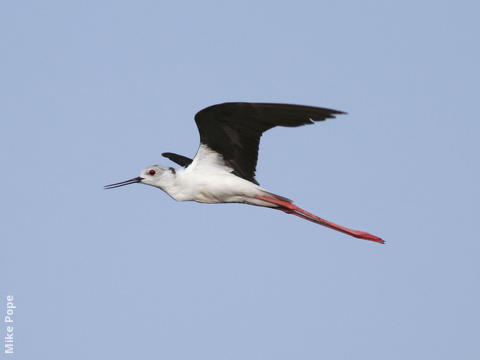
[{"x": 92, "y": 92}]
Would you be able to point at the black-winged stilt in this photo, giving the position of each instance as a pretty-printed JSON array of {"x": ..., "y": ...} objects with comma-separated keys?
[{"x": 223, "y": 170}]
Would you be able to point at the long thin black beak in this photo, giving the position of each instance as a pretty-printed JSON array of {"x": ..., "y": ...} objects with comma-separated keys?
[{"x": 128, "y": 182}]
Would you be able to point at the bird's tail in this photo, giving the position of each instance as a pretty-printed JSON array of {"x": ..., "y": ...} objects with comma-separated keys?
[
  {"x": 277, "y": 197},
  {"x": 288, "y": 207}
]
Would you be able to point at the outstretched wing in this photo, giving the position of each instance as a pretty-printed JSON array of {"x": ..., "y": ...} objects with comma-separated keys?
[
  {"x": 234, "y": 129},
  {"x": 179, "y": 159}
]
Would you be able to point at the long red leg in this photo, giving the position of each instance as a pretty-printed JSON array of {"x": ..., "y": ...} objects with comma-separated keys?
[{"x": 290, "y": 208}]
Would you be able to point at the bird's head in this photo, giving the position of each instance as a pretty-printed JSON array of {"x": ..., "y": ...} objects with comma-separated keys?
[{"x": 153, "y": 175}]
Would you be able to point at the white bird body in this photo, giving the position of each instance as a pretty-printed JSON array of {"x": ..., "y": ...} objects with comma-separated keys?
[
  {"x": 207, "y": 180},
  {"x": 223, "y": 170}
]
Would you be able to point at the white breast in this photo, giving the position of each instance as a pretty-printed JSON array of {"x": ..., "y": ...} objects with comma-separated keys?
[{"x": 209, "y": 180}]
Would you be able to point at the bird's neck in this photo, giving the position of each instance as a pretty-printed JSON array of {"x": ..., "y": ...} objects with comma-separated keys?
[{"x": 168, "y": 182}]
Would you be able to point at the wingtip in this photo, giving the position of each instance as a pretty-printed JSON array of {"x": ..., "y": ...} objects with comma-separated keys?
[
  {"x": 334, "y": 113},
  {"x": 340, "y": 112}
]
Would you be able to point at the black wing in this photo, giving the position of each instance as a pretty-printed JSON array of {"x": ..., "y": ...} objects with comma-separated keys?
[
  {"x": 234, "y": 129},
  {"x": 179, "y": 159}
]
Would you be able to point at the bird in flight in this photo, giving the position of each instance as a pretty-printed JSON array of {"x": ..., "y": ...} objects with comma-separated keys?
[{"x": 223, "y": 170}]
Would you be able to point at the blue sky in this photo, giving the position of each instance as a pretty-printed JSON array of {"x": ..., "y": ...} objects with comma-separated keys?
[{"x": 92, "y": 92}]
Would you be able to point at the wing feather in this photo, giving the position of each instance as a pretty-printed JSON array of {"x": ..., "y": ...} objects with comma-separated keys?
[{"x": 234, "y": 129}]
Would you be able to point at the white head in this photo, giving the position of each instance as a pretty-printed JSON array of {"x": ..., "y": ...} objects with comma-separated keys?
[{"x": 154, "y": 175}]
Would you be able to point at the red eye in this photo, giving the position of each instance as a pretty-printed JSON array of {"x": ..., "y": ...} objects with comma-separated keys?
[{"x": 151, "y": 172}]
